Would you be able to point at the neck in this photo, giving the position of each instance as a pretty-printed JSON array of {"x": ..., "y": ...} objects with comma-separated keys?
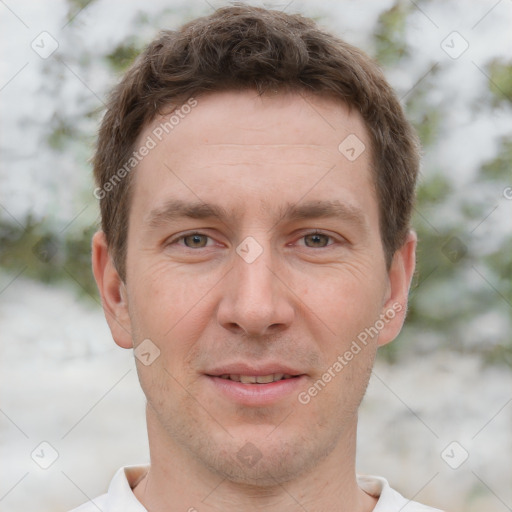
[{"x": 176, "y": 480}]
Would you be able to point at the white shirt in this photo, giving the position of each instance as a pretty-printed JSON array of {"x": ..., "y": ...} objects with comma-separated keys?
[{"x": 120, "y": 497}]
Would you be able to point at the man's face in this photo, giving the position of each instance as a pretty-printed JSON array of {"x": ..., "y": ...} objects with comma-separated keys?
[{"x": 254, "y": 251}]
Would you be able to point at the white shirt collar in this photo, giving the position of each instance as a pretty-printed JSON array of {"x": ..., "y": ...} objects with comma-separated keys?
[{"x": 120, "y": 497}]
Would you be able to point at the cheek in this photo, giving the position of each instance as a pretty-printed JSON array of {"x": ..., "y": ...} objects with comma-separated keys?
[
  {"x": 172, "y": 310},
  {"x": 344, "y": 301},
  {"x": 334, "y": 396},
  {"x": 166, "y": 299}
]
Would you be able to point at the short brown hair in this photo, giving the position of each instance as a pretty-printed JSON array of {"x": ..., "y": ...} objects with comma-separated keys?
[{"x": 243, "y": 47}]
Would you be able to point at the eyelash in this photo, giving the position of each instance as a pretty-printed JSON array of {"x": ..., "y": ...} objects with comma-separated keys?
[{"x": 192, "y": 233}]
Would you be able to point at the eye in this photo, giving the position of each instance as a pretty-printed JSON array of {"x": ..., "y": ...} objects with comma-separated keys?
[
  {"x": 193, "y": 246},
  {"x": 317, "y": 240},
  {"x": 194, "y": 240}
]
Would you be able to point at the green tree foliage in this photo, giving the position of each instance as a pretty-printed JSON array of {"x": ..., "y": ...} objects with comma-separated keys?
[
  {"x": 390, "y": 34},
  {"x": 459, "y": 277}
]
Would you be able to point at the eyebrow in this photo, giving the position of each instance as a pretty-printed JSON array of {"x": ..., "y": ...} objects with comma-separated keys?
[
  {"x": 175, "y": 209},
  {"x": 325, "y": 209}
]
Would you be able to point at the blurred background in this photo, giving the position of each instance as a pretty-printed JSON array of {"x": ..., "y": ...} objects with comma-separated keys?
[{"x": 437, "y": 419}]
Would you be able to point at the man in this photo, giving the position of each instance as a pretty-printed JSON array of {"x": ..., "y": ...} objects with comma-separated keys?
[{"x": 256, "y": 179}]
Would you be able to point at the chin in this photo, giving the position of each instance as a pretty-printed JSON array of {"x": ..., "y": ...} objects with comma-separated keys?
[
  {"x": 267, "y": 463},
  {"x": 244, "y": 453}
]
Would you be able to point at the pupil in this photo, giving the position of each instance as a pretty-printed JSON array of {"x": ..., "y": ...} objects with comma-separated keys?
[
  {"x": 195, "y": 241},
  {"x": 317, "y": 240}
]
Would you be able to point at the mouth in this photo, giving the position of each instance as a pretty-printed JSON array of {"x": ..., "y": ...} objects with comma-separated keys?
[
  {"x": 255, "y": 386},
  {"x": 256, "y": 379}
]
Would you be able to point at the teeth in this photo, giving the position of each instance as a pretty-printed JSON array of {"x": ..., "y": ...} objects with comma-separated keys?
[
  {"x": 256, "y": 379},
  {"x": 247, "y": 379},
  {"x": 265, "y": 379}
]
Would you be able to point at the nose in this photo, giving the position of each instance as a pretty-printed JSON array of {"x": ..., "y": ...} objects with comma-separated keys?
[{"x": 255, "y": 301}]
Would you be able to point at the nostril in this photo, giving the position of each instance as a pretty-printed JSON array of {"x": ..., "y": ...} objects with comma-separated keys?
[{"x": 233, "y": 326}]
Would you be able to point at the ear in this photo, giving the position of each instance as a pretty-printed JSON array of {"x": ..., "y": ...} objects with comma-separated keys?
[
  {"x": 112, "y": 291},
  {"x": 399, "y": 281}
]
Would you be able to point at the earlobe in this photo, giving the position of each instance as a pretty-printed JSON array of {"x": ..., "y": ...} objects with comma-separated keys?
[
  {"x": 112, "y": 291},
  {"x": 400, "y": 276}
]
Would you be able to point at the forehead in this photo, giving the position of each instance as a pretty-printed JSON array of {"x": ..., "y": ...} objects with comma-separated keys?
[{"x": 247, "y": 149}]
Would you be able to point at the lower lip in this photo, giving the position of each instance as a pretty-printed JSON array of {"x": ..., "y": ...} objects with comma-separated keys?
[{"x": 257, "y": 394}]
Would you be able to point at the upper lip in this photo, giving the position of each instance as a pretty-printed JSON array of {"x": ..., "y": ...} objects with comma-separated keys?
[{"x": 253, "y": 370}]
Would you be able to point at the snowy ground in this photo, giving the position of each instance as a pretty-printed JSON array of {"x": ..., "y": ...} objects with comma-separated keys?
[{"x": 64, "y": 381}]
